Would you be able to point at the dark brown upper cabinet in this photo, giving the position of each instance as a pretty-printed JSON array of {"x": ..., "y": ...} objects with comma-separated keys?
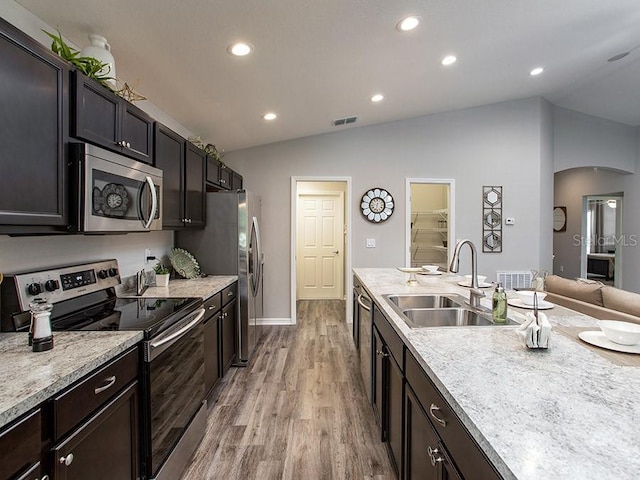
[
  {"x": 105, "y": 119},
  {"x": 34, "y": 112},
  {"x": 183, "y": 171},
  {"x": 221, "y": 177}
]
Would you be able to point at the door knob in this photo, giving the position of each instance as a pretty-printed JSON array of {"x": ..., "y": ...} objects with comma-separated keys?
[{"x": 337, "y": 252}]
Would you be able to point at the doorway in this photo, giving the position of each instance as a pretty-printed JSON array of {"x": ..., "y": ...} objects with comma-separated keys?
[
  {"x": 430, "y": 221},
  {"x": 602, "y": 238},
  {"x": 320, "y": 264}
]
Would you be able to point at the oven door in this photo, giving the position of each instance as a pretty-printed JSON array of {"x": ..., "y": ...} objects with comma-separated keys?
[
  {"x": 175, "y": 387},
  {"x": 117, "y": 194}
]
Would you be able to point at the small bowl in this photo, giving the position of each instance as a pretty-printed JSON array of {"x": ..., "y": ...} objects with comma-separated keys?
[
  {"x": 481, "y": 279},
  {"x": 430, "y": 268},
  {"x": 624, "y": 333},
  {"x": 526, "y": 296}
]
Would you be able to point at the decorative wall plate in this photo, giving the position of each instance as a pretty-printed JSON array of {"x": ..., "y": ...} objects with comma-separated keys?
[
  {"x": 184, "y": 263},
  {"x": 559, "y": 219},
  {"x": 377, "y": 205},
  {"x": 112, "y": 200}
]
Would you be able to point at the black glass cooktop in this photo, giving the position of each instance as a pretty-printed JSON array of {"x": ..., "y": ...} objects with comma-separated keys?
[{"x": 150, "y": 315}]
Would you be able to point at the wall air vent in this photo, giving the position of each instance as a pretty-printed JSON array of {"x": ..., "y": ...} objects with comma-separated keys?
[
  {"x": 344, "y": 121},
  {"x": 514, "y": 279}
]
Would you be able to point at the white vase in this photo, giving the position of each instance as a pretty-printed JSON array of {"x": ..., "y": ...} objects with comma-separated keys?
[
  {"x": 162, "y": 280},
  {"x": 101, "y": 51}
]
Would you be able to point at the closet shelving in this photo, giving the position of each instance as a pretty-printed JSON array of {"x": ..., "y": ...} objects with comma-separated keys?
[{"x": 429, "y": 234}]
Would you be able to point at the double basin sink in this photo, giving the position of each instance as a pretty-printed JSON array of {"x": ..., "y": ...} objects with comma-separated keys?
[{"x": 446, "y": 310}]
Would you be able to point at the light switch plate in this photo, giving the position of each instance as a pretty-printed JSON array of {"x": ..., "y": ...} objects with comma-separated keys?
[{"x": 371, "y": 243}]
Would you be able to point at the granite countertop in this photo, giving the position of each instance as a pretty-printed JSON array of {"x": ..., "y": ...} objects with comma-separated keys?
[
  {"x": 29, "y": 378},
  {"x": 204, "y": 287},
  {"x": 566, "y": 412}
]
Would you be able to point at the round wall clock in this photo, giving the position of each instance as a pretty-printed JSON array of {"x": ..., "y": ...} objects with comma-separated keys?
[{"x": 377, "y": 205}]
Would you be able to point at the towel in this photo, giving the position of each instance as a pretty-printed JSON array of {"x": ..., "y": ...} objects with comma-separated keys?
[{"x": 535, "y": 334}]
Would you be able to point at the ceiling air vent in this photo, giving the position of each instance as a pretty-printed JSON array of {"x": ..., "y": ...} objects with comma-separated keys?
[{"x": 344, "y": 121}]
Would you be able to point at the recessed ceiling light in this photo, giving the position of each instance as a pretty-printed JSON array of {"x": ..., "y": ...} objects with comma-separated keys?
[
  {"x": 240, "y": 49},
  {"x": 269, "y": 116},
  {"x": 408, "y": 23},
  {"x": 536, "y": 71},
  {"x": 377, "y": 97},
  {"x": 449, "y": 60}
]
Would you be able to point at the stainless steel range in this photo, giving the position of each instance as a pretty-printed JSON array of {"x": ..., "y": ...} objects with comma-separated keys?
[{"x": 173, "y": 388}]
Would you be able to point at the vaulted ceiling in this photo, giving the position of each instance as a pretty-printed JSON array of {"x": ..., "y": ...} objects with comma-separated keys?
[{"x": 319, "y": 60}]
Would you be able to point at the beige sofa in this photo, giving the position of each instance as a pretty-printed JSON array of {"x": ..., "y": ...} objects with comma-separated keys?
[{"x": 593, "y": 298}]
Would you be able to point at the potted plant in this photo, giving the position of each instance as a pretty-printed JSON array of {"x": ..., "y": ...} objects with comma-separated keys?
[{"x": 162, "y": 275}]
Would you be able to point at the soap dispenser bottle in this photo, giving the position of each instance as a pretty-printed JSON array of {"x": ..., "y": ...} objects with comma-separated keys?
[{"x": 499, "y": 305}]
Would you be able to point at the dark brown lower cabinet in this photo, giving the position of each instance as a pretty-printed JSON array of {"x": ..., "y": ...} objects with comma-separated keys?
[
  {"x": 462, "y": 450},
  {"x": 425, "y": 458},
  {"x": 20, "y": 448},
  {"x": 211, "y": 342},
  {"x": 105, "y": 447},
  {"x": 388, "y": 395},
  {"x": 228, "y": 335},
  {"x": 424, "y": 436},
  {"x": 393, "y": 410}
]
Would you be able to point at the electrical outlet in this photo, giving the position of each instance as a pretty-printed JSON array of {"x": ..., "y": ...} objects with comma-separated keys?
[
  {"x": 147, "y": 254},
  {"x": 371, "y": 243},
  {"x": 561, "y": 268},
  {"x": 510, "y": 221}
]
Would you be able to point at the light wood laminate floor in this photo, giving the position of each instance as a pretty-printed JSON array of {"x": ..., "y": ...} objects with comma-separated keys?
[{"x": 298, "y": 411}]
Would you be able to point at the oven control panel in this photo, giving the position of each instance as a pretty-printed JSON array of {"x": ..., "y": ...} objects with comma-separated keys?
[{"x": 67, "y": 282}]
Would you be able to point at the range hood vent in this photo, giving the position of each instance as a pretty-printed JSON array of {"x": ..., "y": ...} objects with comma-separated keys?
[{"x": 344, "y": 121}]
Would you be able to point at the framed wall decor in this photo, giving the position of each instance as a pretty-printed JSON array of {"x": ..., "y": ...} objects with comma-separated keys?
[
  {"x": 377, "y": 205},
  {"x": 492, "y": 219},
  {"x": 559, "y": 219}
]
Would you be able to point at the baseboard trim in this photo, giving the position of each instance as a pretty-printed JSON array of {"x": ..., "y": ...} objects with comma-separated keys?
[{"x": 275, "y": 321}]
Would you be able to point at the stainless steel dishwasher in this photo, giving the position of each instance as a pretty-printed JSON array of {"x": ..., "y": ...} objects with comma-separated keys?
[{"x": 365, "y": 315}]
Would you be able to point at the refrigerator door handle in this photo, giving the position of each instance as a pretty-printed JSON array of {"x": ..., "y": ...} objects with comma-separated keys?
[{"x": 256, "y": 272}]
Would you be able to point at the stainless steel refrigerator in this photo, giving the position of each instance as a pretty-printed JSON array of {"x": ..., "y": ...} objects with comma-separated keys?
[{"x": 230, "y": 245}]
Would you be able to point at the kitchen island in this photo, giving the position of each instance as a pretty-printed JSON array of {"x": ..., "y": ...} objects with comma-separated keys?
[{"x": 567, "y": 412}]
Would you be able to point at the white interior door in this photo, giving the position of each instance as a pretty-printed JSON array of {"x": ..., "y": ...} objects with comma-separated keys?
[{"x": 320, "y": 246}]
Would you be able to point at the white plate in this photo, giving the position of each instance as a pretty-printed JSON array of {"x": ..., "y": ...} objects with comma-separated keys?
[
  {"x": 429, "y": 273},
  {"x": 598, "y": 339},
  {"x": 542, "y": 305},
  {"x": 410, "y": 269},
  {"x": 480, "y": 285}
]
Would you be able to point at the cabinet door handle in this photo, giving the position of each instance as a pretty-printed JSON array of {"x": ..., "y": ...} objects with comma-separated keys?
[
  {"x": 44, "y": 477},
  {"x": 434, "y": 408},
  {"x": 66, "y": 460},
  {"x": 109, "y": 384},
  {"x": 360, "y": 301},
  {"x": 229, "y": 294},
  {"x": 211, "y": 307},
  {"x": 434, "y": 455},
  {"x": 381, "y": 353}
]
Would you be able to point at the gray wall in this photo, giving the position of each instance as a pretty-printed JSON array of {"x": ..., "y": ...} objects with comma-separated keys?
[
  {"x": 582, "y": 140},
  {"x": 614, "y": 149},
  {"x": 506, "y": 144}
]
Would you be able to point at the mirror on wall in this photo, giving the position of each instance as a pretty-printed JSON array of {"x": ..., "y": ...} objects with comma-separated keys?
[
  {"x": 430, "y": 222},
  {"x": 603, "y": 227}
]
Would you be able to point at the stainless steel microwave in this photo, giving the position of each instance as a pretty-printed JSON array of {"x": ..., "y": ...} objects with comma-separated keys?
[{"x": 113, "y": 193}]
